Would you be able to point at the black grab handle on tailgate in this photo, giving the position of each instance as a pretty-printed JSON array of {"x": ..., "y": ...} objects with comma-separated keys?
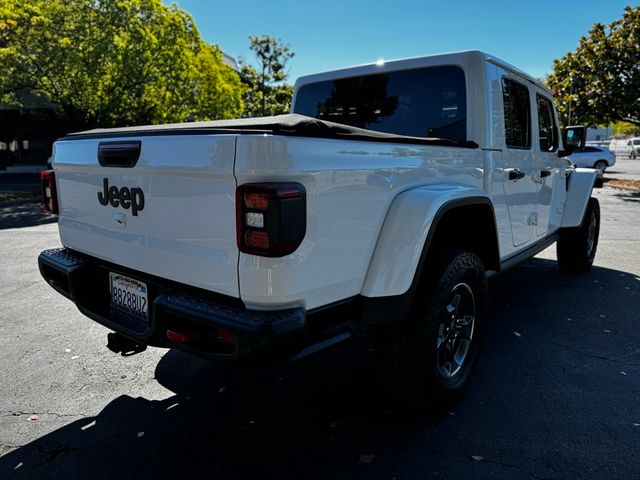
[{"x": 119, "y": 154}]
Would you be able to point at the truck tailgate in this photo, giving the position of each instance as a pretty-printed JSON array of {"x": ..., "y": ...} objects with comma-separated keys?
[{"x": 176, "y": 215}]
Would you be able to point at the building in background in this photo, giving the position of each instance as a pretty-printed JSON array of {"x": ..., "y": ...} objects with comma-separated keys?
[
  {"x": 599, "y": 135},
  {"x": 229, "y": 61},
  {"x": 27, "y": 134}
]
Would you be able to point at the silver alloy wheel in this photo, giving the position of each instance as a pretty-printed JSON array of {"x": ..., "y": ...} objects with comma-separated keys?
[
  {"x": 591, "y": 233},
  {"x": 455, "y": 330}
]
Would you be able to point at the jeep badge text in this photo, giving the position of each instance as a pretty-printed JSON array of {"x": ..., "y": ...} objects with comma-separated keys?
[{"x": 125, "y": 197}]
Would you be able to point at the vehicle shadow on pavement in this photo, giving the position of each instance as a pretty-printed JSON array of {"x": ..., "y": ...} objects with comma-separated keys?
[
  {"x": 19, "y": 210},
  {"x": 225, "y": 423},
  {"x": 546, "y": 389},
  {"x": 629, "y": 196}
]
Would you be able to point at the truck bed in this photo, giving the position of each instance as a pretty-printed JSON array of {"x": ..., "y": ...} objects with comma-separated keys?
[
  {"x": 189, "y": 174},
  {"x": 290, "y": 124}
]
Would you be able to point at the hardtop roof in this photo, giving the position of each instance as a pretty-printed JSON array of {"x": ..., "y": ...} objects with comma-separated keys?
[{"x": 451, "y": 58}]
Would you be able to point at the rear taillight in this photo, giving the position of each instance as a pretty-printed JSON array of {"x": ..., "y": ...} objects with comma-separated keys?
[
  {"x": 271, "y": 218},
  {"x": 49, "y": 194}
]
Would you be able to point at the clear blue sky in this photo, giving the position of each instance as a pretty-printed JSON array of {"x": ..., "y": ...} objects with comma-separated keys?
[{"x": 329, "y": 34}]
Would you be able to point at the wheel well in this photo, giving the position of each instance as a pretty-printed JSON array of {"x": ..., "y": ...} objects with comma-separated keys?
[{"x": 470, "y": 227}]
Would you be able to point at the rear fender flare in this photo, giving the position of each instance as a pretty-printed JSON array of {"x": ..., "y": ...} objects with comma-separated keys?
[
  {"x": 579, "y": 186},
  {"x": 404, "y": 238}
]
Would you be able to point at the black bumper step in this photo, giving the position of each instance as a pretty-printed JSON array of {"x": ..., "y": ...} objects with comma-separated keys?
[{"x": 179, "y": 315}]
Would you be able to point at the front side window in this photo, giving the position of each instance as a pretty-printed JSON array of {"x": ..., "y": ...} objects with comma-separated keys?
[
  {"x": 424, "y": 102},
  {"x": 546, "y": 125},
  {"x": 517, "y": 114}
]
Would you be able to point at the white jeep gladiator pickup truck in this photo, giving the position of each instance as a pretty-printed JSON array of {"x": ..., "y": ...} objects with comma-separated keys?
[{"x": 381, "y": 204}]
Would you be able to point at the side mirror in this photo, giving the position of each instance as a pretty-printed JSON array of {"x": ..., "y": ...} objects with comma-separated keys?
[{"x": 573, "y": 139}]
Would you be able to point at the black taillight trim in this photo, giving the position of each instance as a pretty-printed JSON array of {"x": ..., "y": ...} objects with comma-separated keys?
[{"x": 285, "y": 218}]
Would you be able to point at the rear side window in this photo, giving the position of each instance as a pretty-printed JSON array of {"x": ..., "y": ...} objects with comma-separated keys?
[
  {"x": 425, "y": 102},
  {"x": 517, "y": 114},
  {"x": 547, "y": 129}
]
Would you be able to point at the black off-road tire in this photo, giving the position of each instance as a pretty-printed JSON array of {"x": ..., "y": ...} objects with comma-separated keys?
[
  {"x": 411, "y": 360},
  {"x": 576, "y": 247}
]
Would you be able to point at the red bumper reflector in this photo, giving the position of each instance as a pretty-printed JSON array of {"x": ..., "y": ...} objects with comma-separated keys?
[
  {"x": 227, "y": 336},
  {"x": 179, "y": 337}
]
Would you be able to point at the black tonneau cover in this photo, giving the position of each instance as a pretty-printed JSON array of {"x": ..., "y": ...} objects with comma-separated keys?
[{"x": 290, "y": 124}]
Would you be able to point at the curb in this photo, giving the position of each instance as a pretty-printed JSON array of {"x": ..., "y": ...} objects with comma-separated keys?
[{"x": 620, "y": 187}]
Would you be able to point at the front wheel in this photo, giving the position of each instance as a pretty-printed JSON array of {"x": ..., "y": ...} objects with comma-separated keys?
[
  {"x": 431, "y": 363},
  {"x": 601, "y": 165},
  {"x": 576, "y": 248}
]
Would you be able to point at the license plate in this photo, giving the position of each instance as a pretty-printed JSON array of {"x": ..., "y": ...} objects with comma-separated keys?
[{"x": 129, "y": 295}]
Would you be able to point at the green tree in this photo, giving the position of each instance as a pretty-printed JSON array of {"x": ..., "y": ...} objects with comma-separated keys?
[
  {"x": 599, "y": 82},
  {"x": 625, "y": 129},
  {"x": 268, "y": 92},
  {"x": 113, "y": 62}
]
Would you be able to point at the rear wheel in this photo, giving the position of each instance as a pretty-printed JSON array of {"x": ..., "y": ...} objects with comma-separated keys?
[
  {"x": 430, "y": 362},
  {"x": 601, "y": 165},
  {"x": 576, "y": 248}
]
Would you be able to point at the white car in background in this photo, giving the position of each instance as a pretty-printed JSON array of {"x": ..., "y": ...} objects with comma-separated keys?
[
  {"x": 591, "y": 156},
  {"x": 633, "y": 147}
]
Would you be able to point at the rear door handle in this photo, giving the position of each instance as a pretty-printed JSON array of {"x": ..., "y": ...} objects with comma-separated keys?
[
  {"x": 545, "y": 173},
  {"x": 516, "y": 174}
]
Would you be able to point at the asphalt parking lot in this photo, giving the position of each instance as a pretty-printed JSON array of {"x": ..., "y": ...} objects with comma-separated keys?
[
  {"x": 556, "y": 393},
  {"x": 624, "y": 168}
]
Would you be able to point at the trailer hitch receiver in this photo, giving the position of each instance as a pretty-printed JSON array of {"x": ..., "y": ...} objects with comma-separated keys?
[{"x": 126, "y": 347}]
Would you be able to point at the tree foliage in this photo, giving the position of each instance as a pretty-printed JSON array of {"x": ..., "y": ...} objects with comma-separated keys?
[
  {"x": 113, "y": 62},
  {"x": 621, "y": 129},
  {"x": 599, "y": 82},
  {"x": 268, "y": 92}
]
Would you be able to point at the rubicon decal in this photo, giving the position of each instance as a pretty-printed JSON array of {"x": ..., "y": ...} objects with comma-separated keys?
[{"x": 124, "y": 197}]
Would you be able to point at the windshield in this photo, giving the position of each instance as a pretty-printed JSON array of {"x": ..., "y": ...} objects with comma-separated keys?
[{"x": 425, "y": 102}]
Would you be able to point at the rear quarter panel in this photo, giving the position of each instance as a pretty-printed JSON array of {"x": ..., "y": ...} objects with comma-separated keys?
[{"x": 350, "y": 186}]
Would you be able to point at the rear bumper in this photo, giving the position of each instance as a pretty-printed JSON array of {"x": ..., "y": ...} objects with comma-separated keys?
[{"x": 200, "y": 322}]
